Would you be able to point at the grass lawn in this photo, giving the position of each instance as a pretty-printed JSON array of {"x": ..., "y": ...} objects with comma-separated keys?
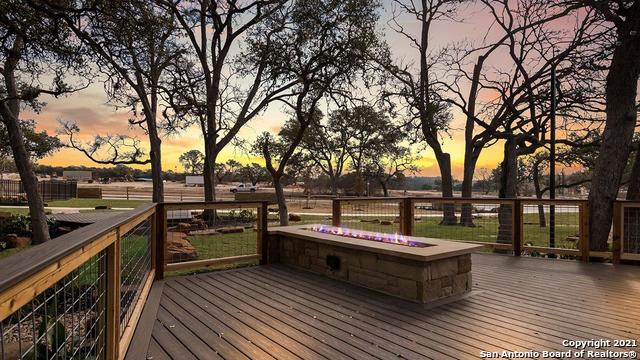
[
  {"x": 15, "y": 211},
  {"x": 90, "y": 203},
  {"x": 9, "y": 252}
]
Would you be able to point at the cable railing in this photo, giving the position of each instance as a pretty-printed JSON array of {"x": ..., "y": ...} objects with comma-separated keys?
[
  {"x": 80, "y": 295},
  {"x": 529, "y": 227},
  {"x": 213, "y": 235}
]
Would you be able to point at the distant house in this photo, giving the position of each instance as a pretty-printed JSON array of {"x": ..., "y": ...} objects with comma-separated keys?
[{"x": 78, "y": 175}]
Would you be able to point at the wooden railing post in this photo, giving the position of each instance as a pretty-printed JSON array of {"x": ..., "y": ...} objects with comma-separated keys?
[
  {"x": 336, "y": 212},
  {"x": 618, "y": 223},
  {"x": 160, "y": 240},
  {"x": 263, "y": 235},
  {"x": 517, "y": 227},
  {"x": 583, "y": 236},
  {"x": 113, "y": 300},
  {"x": 406, "y": 216}
]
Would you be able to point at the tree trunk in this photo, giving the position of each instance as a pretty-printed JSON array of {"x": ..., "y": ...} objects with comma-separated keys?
[
  {"x": 334, "y": 186},
  {"x": 283, "y": 212},
  {"x": 10, "y": 114},
  {"x": 470, "y": 157},
  {"x": 209, "y": 172},
  {"x": 542, "y": 221},
  {"x": 621, "y": 92},
  {"x": 633, "y": 191},
  {"x": 466, "y": 214},
  {"x": 156, "y": 166},
  {"x": 508, "y": 190},
  {"x": 385, "y": 189},
  {"x": 448, "y": 210}
]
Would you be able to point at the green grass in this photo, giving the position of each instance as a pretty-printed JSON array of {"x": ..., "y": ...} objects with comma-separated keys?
[
  {"x": 90, "y": 203},
  {"x": 9, "y": 252},
  {"x": 15, "y": 211}
]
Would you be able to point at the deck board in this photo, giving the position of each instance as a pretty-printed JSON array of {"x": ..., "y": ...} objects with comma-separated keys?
[{"x": 277, "y": 312}]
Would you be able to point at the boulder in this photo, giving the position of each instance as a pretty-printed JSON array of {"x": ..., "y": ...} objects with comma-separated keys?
[
  {"x": 231, "y": 230},
  {"x": 204, "y": 232},
  {"x": 179, "y": 248},
  {"x": 15, "y": 241},
  {"x": 294, "y": 217},
  {"x": 184, "y": 226}
]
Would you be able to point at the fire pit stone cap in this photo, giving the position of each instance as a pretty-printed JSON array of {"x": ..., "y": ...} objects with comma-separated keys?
[{"x": 437, "y": 249}]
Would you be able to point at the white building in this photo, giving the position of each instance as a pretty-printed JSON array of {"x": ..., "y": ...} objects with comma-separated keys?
[{"x": 78, "y": 175}]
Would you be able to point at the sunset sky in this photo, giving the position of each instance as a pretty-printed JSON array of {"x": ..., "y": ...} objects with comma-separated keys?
[{"x": 94, "y": 116}]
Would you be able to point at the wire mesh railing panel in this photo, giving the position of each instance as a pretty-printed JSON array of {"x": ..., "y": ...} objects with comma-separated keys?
[
  {"x": 66, "y": 321},
  {"x": 479, "y": 222},
  {"x": 551, "y": 225},
  {"x": 135, "y": 265},
  {"x": 205, "y": 234},
  {"x": 377, "y": 216},
  {"x": 631, "y": 229}
]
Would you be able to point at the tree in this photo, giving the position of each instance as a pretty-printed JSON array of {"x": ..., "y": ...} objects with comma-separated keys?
[
  {"x": 37, "y": 143},
  {"x": 326, "y": 147},
  {"x": 133, "y": 43},
  {"x": 621, "y": 114},
  {"x": 392, "y": 164},
  {"x": 254, "y": 173},
  {"x": 232, "y": 167},
  {"x": 412, "y": 87},
  {"x": 192, "y": 161},
  {"x": 511, "y": 102},
  {"x": 320, "y": 46},
  {"x": 32, "y": 48},
  {"x": 209, "y": 81}
]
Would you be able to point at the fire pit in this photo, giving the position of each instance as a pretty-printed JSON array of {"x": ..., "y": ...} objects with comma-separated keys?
[{"x": 414, "y": 268}]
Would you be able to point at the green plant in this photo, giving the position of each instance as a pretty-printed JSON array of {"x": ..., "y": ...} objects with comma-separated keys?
[
  {"x": 51, "y": 332},
  {"x": 18, "y": 225}
]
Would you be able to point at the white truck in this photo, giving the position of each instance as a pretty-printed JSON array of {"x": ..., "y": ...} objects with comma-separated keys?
[{"x": 243, "y": 188}]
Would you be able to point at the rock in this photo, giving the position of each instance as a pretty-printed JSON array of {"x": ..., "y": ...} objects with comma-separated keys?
[
  {"x": 204, "y": 232},
  {"x": 231, "y": 230},
  {"x": 386, "y": 222},
  {"x": 179, "y": 248},
  {"x": 184, "y": 226},
  {"x": 294, "y": 217},
  {"x": 15, "y": 241}
]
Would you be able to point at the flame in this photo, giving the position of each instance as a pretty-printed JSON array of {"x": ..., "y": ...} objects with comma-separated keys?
[{"x": 395, "y": 238}]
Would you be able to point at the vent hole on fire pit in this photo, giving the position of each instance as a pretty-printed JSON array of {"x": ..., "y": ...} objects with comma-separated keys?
[{"x": 333, "y": 262}]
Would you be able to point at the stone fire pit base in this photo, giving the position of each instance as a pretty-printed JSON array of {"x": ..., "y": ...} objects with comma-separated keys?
[{"x": 416, "y": 280}]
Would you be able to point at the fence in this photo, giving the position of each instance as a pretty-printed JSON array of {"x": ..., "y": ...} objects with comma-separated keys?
[
  {"x": 529, "y": 227},
  {"x": 49, "y": 189},
  {"x": 81, "y": 295},
  {"x": 217, "y": 234},
  {"x": 628, "y": 219}
]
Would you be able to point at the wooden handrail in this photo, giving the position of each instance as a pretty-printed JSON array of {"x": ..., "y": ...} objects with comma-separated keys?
[
  {"x": 20, "y": 266},
  {"x": 42, "y": 267}
]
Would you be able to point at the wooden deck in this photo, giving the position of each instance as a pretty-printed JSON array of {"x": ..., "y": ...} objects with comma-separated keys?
[{"x": 265, "y": 312}]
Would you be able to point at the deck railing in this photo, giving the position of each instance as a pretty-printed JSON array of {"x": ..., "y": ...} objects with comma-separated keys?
[
  {"x": 223, "y": 233},
  {"x": 80, "y": 295},
  {"x": 520, "y": 226},
  {"x": 628, "y": 223}
]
